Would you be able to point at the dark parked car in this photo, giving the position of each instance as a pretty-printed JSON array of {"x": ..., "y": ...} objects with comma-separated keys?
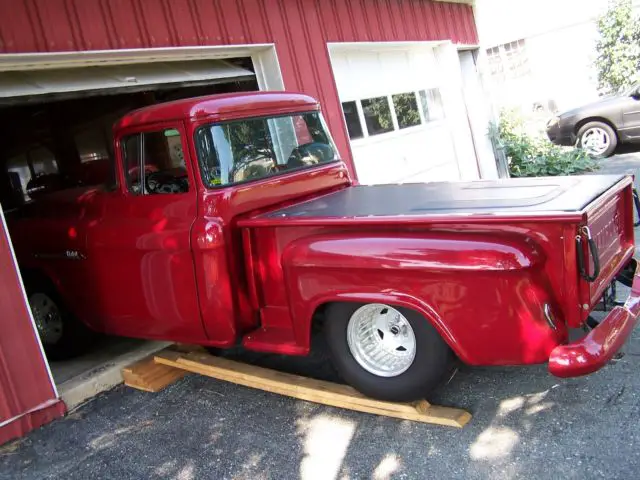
[{"x": 598, "y": 127}]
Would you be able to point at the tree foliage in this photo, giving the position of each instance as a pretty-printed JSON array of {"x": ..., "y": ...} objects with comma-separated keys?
[
  {"x": 618, "y": 47},
  {"x": 406, "y": 108}
]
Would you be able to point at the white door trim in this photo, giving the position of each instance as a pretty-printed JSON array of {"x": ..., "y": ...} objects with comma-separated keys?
[
  {"x": 381, "y": 46},
  {"x": 264, "y": 57},
  {"x": 38, "y": 61}
]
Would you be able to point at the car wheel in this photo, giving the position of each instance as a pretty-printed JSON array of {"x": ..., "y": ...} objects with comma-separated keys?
[
  {"x": 598, "y": 139},
  {"x": 385, "y": 352},
  {"x": 62, "y": 335}
]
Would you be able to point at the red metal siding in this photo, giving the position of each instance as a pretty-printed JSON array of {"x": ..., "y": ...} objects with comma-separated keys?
[
  {"x": 299, "y": 28},
  {"x": 68, "y": 25},
  {"x": 27, "y": 397}
]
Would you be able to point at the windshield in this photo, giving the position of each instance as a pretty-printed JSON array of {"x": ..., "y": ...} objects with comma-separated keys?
[{"x": 255, "y": 148}]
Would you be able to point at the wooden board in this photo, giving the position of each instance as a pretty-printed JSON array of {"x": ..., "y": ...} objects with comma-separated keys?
[
  {"x": 150, "y": 376},
  {"x": 308, "y": 389}
]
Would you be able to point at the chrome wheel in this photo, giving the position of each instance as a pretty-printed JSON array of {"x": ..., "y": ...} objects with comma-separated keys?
[
  {"x": 47, "y": 318},
  {"x": 381, "y": 340},
  {"x": 595, "y": 141}
]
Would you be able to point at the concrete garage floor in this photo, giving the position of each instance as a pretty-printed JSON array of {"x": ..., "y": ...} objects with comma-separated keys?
[
  {"x": 526, "y": 424},
  {"x": 104, "y": 351},
  {"x": 83, "y": 377}
]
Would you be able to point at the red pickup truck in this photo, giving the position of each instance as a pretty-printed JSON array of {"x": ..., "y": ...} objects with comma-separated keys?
[{"x": 231, "y": 219}]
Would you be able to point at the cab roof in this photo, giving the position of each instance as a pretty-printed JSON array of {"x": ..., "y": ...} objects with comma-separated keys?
[{"x": 221, "y": 107}]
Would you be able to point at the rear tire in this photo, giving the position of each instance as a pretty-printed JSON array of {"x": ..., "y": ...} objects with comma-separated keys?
[
  {"x": 63, "y": 336},
  {"x": 407, "y": 372},
  {"x": 598, "y": 139}
]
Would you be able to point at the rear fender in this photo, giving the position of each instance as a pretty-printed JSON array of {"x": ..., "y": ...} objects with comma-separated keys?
[
  {"x": 346, "y": 267},
  {"x": 395, "y": 298}
]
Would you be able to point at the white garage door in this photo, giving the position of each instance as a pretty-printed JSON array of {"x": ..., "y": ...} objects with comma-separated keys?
[{"x": 394, "y": 114}]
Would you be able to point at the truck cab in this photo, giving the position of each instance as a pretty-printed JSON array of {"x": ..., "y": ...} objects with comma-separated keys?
[{"x": 232, "y": 219}]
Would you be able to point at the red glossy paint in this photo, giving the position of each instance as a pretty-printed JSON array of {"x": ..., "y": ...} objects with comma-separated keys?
[
  {"x": 166, "y": 266},
  {"x": 219, "y": 108},
  {"x": 596, "y": 349},
  {"x": 611, "y": 221},
  {"x": 207, "y": 267},
  {"x": 443, "y": 275},
  {"x": 444, "y": 270},
  {"x": 440, "y": 274}
]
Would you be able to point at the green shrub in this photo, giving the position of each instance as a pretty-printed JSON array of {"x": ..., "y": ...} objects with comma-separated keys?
[{"x": 536, "y": 157}]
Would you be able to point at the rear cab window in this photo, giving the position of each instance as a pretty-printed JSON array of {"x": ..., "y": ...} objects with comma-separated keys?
[{"x": 255, "y": 148}]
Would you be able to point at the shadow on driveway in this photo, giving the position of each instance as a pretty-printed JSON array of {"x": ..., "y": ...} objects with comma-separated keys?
[{"x": 526, "y": 424}]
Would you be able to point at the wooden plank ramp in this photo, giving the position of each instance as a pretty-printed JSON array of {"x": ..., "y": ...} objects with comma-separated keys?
[
  {"x": 296, "y": 386},
  {"x": 150, "y": 376}
]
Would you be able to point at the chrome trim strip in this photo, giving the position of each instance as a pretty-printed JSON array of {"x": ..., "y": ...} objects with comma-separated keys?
[{"x": 549, "y": 316}]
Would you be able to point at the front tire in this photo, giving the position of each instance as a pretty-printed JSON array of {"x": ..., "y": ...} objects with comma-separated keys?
[
  {"x": 598, "y": 139},
  {"x": 388, "y": 353},
  {"x": 63, "y": 336}
]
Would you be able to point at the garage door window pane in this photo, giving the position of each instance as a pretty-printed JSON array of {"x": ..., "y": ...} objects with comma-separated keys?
[
  {"x": 351, "y": 117},
  {"x": 377, "y": 115},
  {"x": 406, "y": 107},
  {"x": 431, "y": 104}
]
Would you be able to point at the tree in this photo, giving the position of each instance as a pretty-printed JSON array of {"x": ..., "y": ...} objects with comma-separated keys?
[{"x": 618, "y": 48}]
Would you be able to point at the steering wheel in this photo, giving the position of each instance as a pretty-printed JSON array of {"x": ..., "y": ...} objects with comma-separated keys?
[
  {"x": 256, "y": 163},
  {"x": 310, "y": 154},
  {"x": 165, "y": 182}
]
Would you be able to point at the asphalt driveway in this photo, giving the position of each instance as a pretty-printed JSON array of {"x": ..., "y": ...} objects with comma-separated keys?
[
  {"x": 627, "y": 161},
  {"x": 526, "y": 424}
]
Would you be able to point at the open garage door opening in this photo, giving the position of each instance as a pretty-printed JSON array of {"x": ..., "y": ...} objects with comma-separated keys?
[{"x": 56, "y": 130}]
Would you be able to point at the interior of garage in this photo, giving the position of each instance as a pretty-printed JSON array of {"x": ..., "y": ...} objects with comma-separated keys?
[{"x": 57, "y": 135}]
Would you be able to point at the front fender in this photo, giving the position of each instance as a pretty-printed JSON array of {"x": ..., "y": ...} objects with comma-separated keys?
[{"x": 393, "y": 269}]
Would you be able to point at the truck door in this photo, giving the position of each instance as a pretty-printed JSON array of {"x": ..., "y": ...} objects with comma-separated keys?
[{"x": 140, "y": 246}]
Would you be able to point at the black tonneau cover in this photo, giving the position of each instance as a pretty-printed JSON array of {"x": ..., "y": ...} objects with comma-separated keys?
[{"x": 508, "y": 196}]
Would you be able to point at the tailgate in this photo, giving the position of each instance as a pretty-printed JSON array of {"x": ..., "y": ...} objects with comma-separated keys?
[{"x": 610, "y": 223}]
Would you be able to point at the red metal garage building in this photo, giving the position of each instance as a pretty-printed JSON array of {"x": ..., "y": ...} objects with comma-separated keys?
[{"x": 290, "y": 43}]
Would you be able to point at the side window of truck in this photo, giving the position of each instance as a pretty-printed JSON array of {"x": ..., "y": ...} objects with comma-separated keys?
[{"x": 154, "y": 163}]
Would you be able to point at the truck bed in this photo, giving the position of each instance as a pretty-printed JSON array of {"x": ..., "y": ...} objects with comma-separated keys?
[{"x": 550, "y": 196}]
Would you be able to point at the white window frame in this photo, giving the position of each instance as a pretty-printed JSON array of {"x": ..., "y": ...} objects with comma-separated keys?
[
  {"x": 516, "y": 56},
  {"x": 397, "y": 131}
]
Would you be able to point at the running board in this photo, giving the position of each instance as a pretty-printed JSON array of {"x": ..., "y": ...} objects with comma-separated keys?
[{"x": 303, "y": 388}]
